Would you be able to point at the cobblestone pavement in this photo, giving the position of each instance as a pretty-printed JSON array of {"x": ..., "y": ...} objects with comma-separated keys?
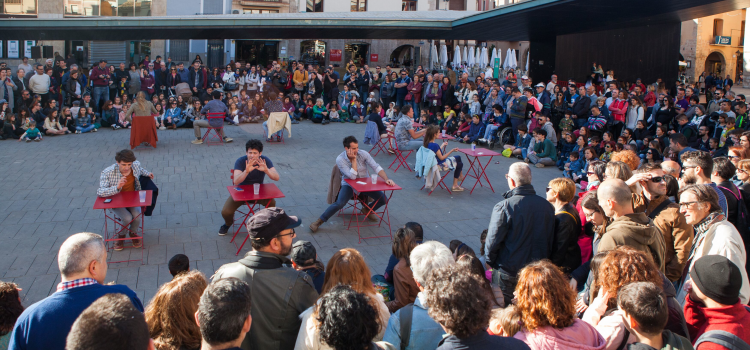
[{"x": 48, "y": 188}]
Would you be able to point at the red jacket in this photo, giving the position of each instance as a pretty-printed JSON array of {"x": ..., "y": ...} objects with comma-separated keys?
[
  {"x": 734, "y": 319},
  {"x": 619, "y": 108},
  {"x": 96, "y": 72}
]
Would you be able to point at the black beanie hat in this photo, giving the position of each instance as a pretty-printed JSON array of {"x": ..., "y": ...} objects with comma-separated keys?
[{"x": 718, "y": 278}]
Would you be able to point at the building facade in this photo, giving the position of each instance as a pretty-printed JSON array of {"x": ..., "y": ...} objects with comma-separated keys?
[
  {"x": 714, "y": 44},
  {"x": 218, "y": 52}
]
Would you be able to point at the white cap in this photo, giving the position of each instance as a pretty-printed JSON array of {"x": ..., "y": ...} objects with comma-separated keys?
[
  {"x": 539, "y": 85},
  {"x": 525, "y": 78}
]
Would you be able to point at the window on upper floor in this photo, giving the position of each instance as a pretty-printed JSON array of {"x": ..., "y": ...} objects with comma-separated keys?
[
  {"x": 718, "y": 27},
  {"x": 408, "y": 5},
  {"x": 359, "y": 5},
  {"x": 17, "y": 7},
  {"x": 114, "y": 8},
  {"x": 314, "y": 5}
]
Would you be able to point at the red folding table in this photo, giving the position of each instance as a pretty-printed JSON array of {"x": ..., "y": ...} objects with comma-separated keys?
[
  {"x": 364, "y": 185},
  {"x": 478, "y": 172},
  {"x": 130, "y": 199},
  {"x": 245, "y": 194}
]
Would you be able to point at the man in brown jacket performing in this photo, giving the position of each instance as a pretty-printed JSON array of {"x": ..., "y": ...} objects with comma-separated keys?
[
  {"x": 678, "y": 235},
  {"x": 628, "y": 228}
]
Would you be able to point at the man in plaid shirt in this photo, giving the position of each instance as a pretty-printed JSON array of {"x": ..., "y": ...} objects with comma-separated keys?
[{"x": 123, "y": 177}]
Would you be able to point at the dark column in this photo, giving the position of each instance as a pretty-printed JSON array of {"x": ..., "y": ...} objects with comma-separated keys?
[{"x": 647, "y": 52}]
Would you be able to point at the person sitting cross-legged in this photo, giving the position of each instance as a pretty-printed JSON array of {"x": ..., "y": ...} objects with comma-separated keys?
[
  {"x": 353, "y": 163},
  {"x": 213, "y": 106},
  {"x": 544, "y": 152},
  {"x": 249, "y": 169}
]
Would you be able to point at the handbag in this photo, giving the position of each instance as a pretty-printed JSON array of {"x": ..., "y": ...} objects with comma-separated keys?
[
  {"x": 230, "y": 86},
  {"x": 408, "y": 97}
]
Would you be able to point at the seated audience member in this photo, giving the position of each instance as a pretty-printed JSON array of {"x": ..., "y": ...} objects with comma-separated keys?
[
  {"x": 353, "y": 163},
  {"x": 171, "y": 313},
  {"x": 566, "y": 254},
  {"x": 521, "y": 145},
  {"x": 393, "y": 260},
  {"x": 249, "y": 169},
  {"x": 714, "y": 305},
  {"x": 178, "y": 264},
  {"x": 544, "y": 152},
  {"x": 11, "y": 308},
  {"x": 471, "y": 264},
  {"x": 461, "y": 306},
  {"x": 346, "y": 267},
  {"x": 505, "y": 322},
  {"x": 82, "y": 260},
  {"x": 276, "y": 306},
  {"x": 305, "y": 258},
  {"x": 348, "y": 320},
  {"x": 548, "y": 315},
  {"x": 475, "y": 130},
  {"x": 123, "y": 176},
  {"x": 110, "y": 322},
  {"x": 424, "y": 332},
  {"x": 445, "y": 161},
  {"x": 644, "y": 308},
  {"x": 714, "y": 235},
  {"x": 224, "y": 314},
  {"x": 620, "y": 267},
  {"x": 213, "y": 106},
  {"x": 405, "y": 289}
]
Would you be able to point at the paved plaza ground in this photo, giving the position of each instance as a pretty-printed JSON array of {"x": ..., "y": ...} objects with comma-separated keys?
[{"x": 48, "y": 189}]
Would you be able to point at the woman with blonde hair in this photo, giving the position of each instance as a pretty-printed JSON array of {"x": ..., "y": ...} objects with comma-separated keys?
[
  {"x": 346, "y": 267},
  {"x": 548, "y": 311},
  {"x": 171, "y": 314},
  {"x": 142, "y": 107},
  {"x": 743, "y": 175}
]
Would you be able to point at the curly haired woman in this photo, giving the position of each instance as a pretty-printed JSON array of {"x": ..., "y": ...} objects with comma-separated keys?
[{"x": 548, "y": 311}]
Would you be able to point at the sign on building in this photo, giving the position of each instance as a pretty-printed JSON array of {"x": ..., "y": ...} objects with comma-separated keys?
[
  {"x": 12, "y": 48},
  {"x": 335, "y": 55},
  {"x": 722, "y": 40},
  {"x": 373, "y": 57}
]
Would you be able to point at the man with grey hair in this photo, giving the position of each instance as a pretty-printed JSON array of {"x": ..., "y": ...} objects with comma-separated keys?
[
  {"x": 671, "y": 168},
  {"x": 82, "y": 260},
  {"x": 635, "y": 230},
  {"x": 521, "y": 230},
  {"x": 424, "y": 332}
]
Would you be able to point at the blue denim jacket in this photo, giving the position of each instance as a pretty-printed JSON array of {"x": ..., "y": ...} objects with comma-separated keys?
[
  {"x": 426, "y": 334},
  {"x": 174, "y": 113}
]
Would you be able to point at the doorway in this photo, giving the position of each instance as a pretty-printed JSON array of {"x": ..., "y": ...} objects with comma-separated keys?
[
  {"x": 313, "y": 52},
  {"x": 358, "y": 52},
  {"x": 402, "y": 56},
  {"x": 215, "y": 54},
  {"x": 79, "y": 49},
  {"x": 138, "y": 50},
  {"x": 715, "y": 63},
  {"x": 256, "y": 52}
]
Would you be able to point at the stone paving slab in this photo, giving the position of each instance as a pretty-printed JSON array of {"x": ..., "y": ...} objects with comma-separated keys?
[{"x": 48, "y": 190}]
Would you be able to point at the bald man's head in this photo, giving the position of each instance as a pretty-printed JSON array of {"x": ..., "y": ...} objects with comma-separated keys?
[
  {"x": 671, "y": 167},
  {"x": 615, "y": 197}
]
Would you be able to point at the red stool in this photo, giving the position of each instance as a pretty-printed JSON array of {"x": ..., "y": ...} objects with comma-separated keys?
[{"x": 210, "y": 138}]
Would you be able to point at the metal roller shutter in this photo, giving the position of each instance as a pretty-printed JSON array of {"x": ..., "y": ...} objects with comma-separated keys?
[
  {"x": 112, "y": 51},
  {"x": 179, "y": 50}
]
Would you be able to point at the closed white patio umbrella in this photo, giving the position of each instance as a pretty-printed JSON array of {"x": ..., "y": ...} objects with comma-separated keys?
[
  {"x": 435, "y": 57},
  {"x": 457, "y": 57},
  {"x": 444, "y": 55},
  {"x": 471, "y": 59}
]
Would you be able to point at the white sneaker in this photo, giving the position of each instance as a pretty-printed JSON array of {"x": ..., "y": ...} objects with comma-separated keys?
[
  {"x": 95, "y": 129},
  {"x": 162, "y": 128},
  {"x": 78, "y": 131}
]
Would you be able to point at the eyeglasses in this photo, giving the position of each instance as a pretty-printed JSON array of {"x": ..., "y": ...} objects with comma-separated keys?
[
  {"x": 733, "y": 157},
  {"x": 687, "y": 204},
  {"x": 590, "y": 173},
  {"x": 657, "y": 179},
  {"x": 293, "y": 234},
  {"x": 547, "y": 189},
  {"x": 608, "y": 146},
  {"x": 688, "y": 167}
]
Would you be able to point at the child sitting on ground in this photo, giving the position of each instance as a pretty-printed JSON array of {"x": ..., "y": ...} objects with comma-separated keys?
[
  {"x": 505, "y": 322},
  {"x": 575, "y": 167},
  {"x": 32, "y": 133},
  {"x": 125, "y": 120}
]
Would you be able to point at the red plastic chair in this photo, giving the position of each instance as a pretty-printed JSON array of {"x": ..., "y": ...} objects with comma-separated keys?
[
  {"x": 278, "y": 138},
  {"x": 400, "y": 157},
  {"x": 441, "y": 183},
  {"x": 210, "y": 138},
  {"x": 240, "y": 209}
]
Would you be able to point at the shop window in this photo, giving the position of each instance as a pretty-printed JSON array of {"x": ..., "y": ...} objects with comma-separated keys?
[
  {"x": 359, "y": 5},
  {"x": 314, "y": 5},
  {"x": 18, "y": 7},
  {"x": 106, "y": 8},
  {"x": 408, "y": 5},
  {"x": 718, "y": 27}
]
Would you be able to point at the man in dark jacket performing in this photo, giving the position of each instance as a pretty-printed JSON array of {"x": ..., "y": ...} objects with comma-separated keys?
[{"x": 521, "y": 230}]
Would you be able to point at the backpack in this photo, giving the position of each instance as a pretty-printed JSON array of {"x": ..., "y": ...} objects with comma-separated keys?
[{"x": 723, "y": 338}]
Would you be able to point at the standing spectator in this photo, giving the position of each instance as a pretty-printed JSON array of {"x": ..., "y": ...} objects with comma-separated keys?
[
  {"x": 401, "y": 86},
  {"x": 721, "y": 176},
  {"x": 25, "y": 65},
  {"x": 111, "y": 322},
  {"x": 7, "y": 86},
  {"x": 11, "y": 308},
  {"x": 697, "y": 169},
  {"x": 195, "y": 79},
  {"x": 171, "y": 313},
  {"x": 714, "y": 235},
  {"x": 224, "y": 314},
  {"x": 548, "y": 314},
  {"x": 277, "y": 306},
  {"x": 123, "y": 176},
  {"x": 582, "y": 107},
  {"x": 713, "y": 304},
  {"x": 628, "y": 228},
  {"x": 462, "y": 307},
  {"x": 424, "y": 333},
  {"x": 517, "y": 109},
  {"x": 566, "y": 254},
  {"x": 100, "y": 77},
  {"x": 40, "y": 83},
  {"x": 347, "y": 267},
  {"x": 82, "y": 260},
  {"x": 644, "y": 306},
  {"x": 515, "y": 236},
  {"x": 678, "y": 235}
]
